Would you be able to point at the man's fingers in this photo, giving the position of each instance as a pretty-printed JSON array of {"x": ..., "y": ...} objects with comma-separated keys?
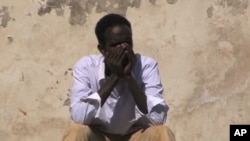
[
  {"x": 121, "y": 58},
  {"x": 127, "y": 48},
  {"x": 120, "y": 50}
]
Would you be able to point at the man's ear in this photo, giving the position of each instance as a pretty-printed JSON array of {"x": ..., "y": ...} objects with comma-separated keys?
[{"x": 101, "y": 49}]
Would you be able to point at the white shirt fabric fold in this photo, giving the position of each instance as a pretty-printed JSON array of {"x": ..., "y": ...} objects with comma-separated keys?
[{"x": 119, "y": 114}]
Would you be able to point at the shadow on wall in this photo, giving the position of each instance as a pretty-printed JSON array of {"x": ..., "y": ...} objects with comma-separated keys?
[{"x": 81, "y": 8}]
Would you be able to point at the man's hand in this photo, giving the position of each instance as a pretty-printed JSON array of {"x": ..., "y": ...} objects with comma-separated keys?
[
  {"x": 131, "y": 59},
  {"x": 114, "y": 59}
]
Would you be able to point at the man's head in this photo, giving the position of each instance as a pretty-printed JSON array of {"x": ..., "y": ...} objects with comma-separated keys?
[{"x": 112, "y": 30}]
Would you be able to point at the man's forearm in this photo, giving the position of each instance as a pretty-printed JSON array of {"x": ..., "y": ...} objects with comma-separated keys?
[
  {"x": 139, "y": 96},
  {"x": 108, "y": 86}
]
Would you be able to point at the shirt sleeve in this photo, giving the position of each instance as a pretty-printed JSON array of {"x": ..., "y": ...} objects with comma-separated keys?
[
  {"x": 84, "y": 103},
  {"x": 157, "y": 107}
]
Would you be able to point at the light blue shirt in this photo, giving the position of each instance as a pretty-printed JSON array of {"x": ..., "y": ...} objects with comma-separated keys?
[{"x": 119, "y": 114}]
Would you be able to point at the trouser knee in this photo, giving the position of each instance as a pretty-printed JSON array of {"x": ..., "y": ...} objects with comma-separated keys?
[
  {"x": 76, "y": 133},
  {"x": 160, "y": 132}
]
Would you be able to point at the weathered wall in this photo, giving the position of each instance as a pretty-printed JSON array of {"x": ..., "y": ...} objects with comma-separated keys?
[{"x": 202, "y": 48}]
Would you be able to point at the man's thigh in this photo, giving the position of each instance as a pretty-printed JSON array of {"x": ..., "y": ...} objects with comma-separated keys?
[
  {"x": 79, "y": 132},
  {"x": 154, "y": 133}
]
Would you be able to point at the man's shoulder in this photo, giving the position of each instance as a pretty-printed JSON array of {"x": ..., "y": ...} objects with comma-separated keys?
[
  {"x": 146, "y": 60},
  {"x": 90, "y": 60}
]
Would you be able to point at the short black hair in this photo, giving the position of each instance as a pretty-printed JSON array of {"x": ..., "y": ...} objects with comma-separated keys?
[{"x": 106, "y": 22}]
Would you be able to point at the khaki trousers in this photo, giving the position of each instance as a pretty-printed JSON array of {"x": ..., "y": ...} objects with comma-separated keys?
[{"x": 85, "y": 133}]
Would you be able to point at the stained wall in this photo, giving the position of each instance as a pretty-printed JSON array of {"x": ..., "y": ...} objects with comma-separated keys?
[{"x": 202, "y": 48}]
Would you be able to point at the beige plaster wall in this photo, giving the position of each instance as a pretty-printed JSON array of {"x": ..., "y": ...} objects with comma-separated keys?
[{"x": 202, "y": 48}]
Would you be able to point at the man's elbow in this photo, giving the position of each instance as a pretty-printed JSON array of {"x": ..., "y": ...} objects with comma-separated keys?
[{"x": 77, "y": 117}]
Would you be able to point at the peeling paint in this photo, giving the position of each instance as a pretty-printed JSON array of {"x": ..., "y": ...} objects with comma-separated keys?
[
  {"x": 80, "y": 9},
  {"x": 202, "y": 50},
  {"x": 4, "y": 16},
  {"x": 238, "y": 6},
  {"x": 171, "y": 1},
  {"x": 210, "y": 12}
]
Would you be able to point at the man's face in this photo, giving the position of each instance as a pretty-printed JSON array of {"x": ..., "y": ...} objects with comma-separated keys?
[
  {"x": 117, "y": 35},
  {"x": 118, "y": 48}
]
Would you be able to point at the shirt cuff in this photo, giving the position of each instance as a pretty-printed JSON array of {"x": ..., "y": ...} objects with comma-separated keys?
[
  {"x": 96, "y": 100},
  {"x": 151, "y": 103}
]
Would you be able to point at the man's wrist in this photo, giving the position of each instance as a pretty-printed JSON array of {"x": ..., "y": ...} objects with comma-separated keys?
[
  {"x": 115, "y": 76},
  {"x": 129, "y": 77}
]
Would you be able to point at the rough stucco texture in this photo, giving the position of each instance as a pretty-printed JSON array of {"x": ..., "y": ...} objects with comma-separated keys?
[{"x": 202, "y": 48}]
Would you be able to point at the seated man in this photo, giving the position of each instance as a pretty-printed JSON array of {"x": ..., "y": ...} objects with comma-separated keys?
[{"x": 117, "y": 96}]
